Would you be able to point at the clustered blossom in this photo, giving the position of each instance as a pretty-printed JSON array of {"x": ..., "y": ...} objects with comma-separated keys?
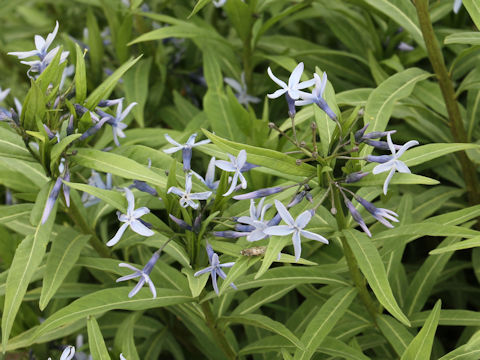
[
  {"x": 235, "y": 165},
  {"x": 131, "y": 219},
  {"x": 41, "y": 51},
  {"x": 215, "y": 268}
]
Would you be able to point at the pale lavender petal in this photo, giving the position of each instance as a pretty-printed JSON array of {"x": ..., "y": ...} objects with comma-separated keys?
[
  {"x": 214, "y": 280},
  {"x": 406, "y": 146},
  {"x": 225, "y": 165},
  {"x": 118, "y": 235},
  {"x": 387, "y": 181},
  {"x": 137, "y": 288},
  {"x": 304, "y": 102},
  {"x": 401, "y": 167},
  {"x": 141, "y": 229},
  {"x": 173, "y": 142},
  {"x": 188, "y": 183},
  {"x": 131, "y": 267},
  {"x": 391, "y": 146},
  {"x": 233, "y": 184},
  {"x": 68, "y": 353},
  {"x": 279, "y": 230},
  {"x": 203, "y": 142},
  {"x": 140, "y": 212},
  {"x": 282, "y": 210},
  {"x": 303, "y": 219},
  {"x": 24, "y": 54},
  {"x": 130, "y": 200},
  {"x": 229, "y": 264},
  {"x": 152, "y": 287},
  {"x": 294, "y": 78},
  {"x": 277, "y": 93},
  {"x": 241, "y": 158},
  {"x": 124, "y": 114},
  {"x": 129, "y": 277},
  {"x": 382, "y": 167},
  {"x": 243, "y": 181},
  {"x": 313, "y": 236},
  {"x": 176, "y": 191},
  {"x": 256, "y": 235},
  {"x": 203, "y": 271},
  {"x": 191, "y": 140},
  {"x": 201, "y": 196},
  {"x": 297, "y": 245},
  {"x": 190, "y": 203},
  {"x": 234, "y": 84},
  {"x": 279, "y": 82},
  {"x": 323, "y": 84},
  {"x": 39, "y": 42},
  {"x": 51, "y": 37},
  {"x": 172, "y": 150}
]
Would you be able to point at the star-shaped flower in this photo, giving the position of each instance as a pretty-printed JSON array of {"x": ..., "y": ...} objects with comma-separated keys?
[
  {"x": 96, "y": 180},
  {"x": 294, "y": 227},
  {"x": 143, "y": 274},
  {"x": 256, "y": 220},
  {"x": 234, "y": 165},
  {"x": 209, "y": 179},
  {"x": 393, "y": 164},
  {"x": 41, "y": 45},
  {"x": 186, "y": 197},
  {"x": 294, "y": 85},
  {"x": 241, "y": 90},
  {"x": 116, "y": 122},
  {"x": 316, "y": 97},
  {"x": 186, "y": 148},
  {"x": 380, "y": 214},
  {"x": 131, "y": 219},
  {"x": 215, "y": 268}
]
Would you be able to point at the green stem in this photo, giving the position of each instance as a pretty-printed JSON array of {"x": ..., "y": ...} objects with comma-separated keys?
[
  {"x": 455, "y": 120},
  {"x": 355, "y": 273},
  {"x": 216, "y": 332}
]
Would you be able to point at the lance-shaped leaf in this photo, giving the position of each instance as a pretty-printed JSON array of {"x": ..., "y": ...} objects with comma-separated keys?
[
  {"x": 62, "y": 257},
  {"x": 372, "y": 267},
  {"x": 421, "y": 345},
  {"x": 263, "y": 322},
  {"x": 11, "y": 145},
  {"x": 324, "y": 321},
  {"x": 28, "y": 257},
  {"x": 114, "y": 198},
  {"x": 110, "y": 299},
  {"x": 97, "y": 346},
  {"x": 473, "y": 8},
  {"x": 396, "y": 334},
  {"x": 80, "y": 77},
  {"x": 118, "y": 165}
]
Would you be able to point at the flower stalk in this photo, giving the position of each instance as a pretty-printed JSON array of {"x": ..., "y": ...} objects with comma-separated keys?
[{"x": 455, "y": 120}]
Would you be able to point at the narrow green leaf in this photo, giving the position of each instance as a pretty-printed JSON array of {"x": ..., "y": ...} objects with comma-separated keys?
[
  {"x": 62, "y": 257},
  {"x": 118, "y": 165},
  {"x": 124, "y": 338},
  {"x": 372, "y": 267},
  {"x": 110, "y": 299},
  {"x": 28, "y": 257},
  {"x": 397, "y": 335},
  {"x": 136, "y": 88},
  {"x": 421, "y": 345},
  {"x": 80, "y": 76},
  {"x": 263, "y": 322},
  {"x": 421, "y": 154},
  {"x": 464, "y": 37},
  {"x": 114, "y": 198},
  {"x": 103, "y": 91},
  {"x": 462, "y": 245},
  {"x": 241, "y": 266},
  {"x": 324, "y": 321},
  {"x": 11, "y": 212},
  {"x": 96, "y": 344},
  {"x": 260, "y": 297},
  {"x": 11, "y": 145},
  {"x": 473, "y": 8},
  {"x": 198, "y": 6},
  {"x": 275, "y": 245},
  {"x": 60, "y": 147},
  {"x": 337, "y": 348}
]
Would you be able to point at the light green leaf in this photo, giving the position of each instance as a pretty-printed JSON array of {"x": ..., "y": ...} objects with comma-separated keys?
[
  {"x": 104, "y": 89},
  {"x": 199, "y": 6},
  {"x": 136, "y": 87},
  {"x": 118, "y": 165},
  {"x": 196, "y": 283},
  {"x": 62, "y": 257},
  {"x": 263, "y": 322},
  {"x": 114, "y": 198},
  {"x": 421, "y": 154},
  {"x": 421, "y": 346},
  {"x": 28, "y": 257},
  {"x": 264, "y": 157},
  {"x": 372, "y": 267},
  {"x": 464, "y": 37},
  {"x": 399, "y": 178},
  {"x": 449, "y": 318},
  {"x": 11, "y": 212},
  {"x": 80, "y": 76},
  {"x": 397, "y": 335},
  {"x": 403, "y": 13},
  {"x": 96, "y": 344},
  {"x": 337, "y": 348},
  {"x": 473, "y": 8},
  {"x": 275, "y": 245},
  {"x": 60, "y": 147},
  {"x": 11, "y": 145},
  {"x": 110, "y": 299},
  {"x": 462, "y": 245},
  {"x": 324, "y": 321},
  {"x": 265, "y": 295},
  {"x": 242, "y": 264}
]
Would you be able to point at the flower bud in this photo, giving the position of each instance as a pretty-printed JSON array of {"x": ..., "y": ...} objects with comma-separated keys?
[
  {"x": 260, "y": 193},
  {"x": 143, "y": 186},
  {"x": 356, "y": 176},
  {"x": 180, "y": 223},
  {"x": 230, "y": 234},
  {"x": 379, "y": 159}
]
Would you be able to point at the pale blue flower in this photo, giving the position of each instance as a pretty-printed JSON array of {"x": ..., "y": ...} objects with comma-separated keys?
[
  {"x": 215, "y": 268},
  {"x": 294, "y": 227},
  {"x": 241, "y": 90},
  {"x": 186, "y": 148},
  {"x": 234, "y": 165},
  {"x": 356, "y": 216},
  {"x": 143, "y": 274},
  {"x": 187, "y": 197},
  {"x": 256, "y": 220},
  {"x": 96, "y": 180},
  {"x": 116, "y": 122},
  {"x": 316, "y": 97},
  {"x": 52, "y": 199},
  {"x": 131, "y": 219},
  {"x": 294, "y": 85},
  {"x": 393, "y": 164},
  {"x": 379, "y": 213},
  {"x": 209, "y": 179}
]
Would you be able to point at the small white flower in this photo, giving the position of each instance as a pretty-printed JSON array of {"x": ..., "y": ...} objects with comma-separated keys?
[
  {"x": 186, "y": 197},
  {"x": 131, "y": 219},
  {"x": 188, "y": 145},
  {"x": 234, "y": 165},
  {"x": 67, "y": 354},
  {"x": 143, "y": 274},
  {"x": 294, "y": 85},
  {"x": 393, "y": 164},
  {"x": 294, "y": 227},
  {"x": 41, "y": 45},
  {"x": 256, "y": 219}
]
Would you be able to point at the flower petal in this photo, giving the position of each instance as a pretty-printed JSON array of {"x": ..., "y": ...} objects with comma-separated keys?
[
  {"x": 140, "y": 212},
  {"x": 313, "y": 236},
  {"x": 297, "y": 245},
  {"x": 401, "y": 167},
  {"x": 406, "y": 146},
  {"x": 130, "y": 200},
  {"x": 382, "y": 167},
  {"x": 277, "y": 94},
  {"x": 279, "y": 82},
  {"x": 201, "y": 196},
  {"x": 225, "y": 165},
  {"x": 171, "y": 141},
  {"x": 279, "y": 230},
  {"x": 137, "y": 288},
  {"x": 294, "y": 78},
  {"x": 387, "y": 181},
  {"x": 141, "y": 229},
  {"x": 118, "y": 235},
  {"x": 203, "y": 271},
  {"x": 303, "y": 219},
  {"x": 282, "y": 210},
  {"x": 176, "y": 191}
]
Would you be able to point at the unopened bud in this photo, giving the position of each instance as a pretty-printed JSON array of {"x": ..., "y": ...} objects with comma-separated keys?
[{"x": 356, "y": 176}]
